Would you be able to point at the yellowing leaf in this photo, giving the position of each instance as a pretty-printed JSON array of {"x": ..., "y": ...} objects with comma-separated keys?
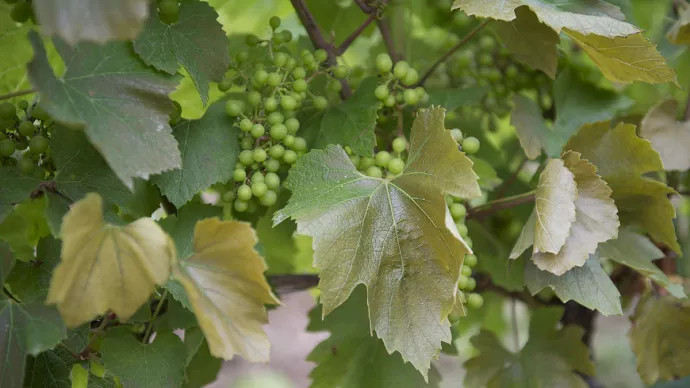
[
  {"x": 227, "y": 289},
  {"x": 626, "y": 59},
  {"x": 107, "y": 267},
  {"x": 390, "y": 235},
  {"x": 555, "y": 207},
  {"x": 669, "y": 137}
]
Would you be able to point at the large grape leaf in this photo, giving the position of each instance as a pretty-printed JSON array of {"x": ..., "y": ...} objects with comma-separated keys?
[
  {"x": 680, "y": 32},
  {"x": 30, "y": 282},
  {"x": 637, "y": 252},
  {"x": 669, "y": 137},
  {"x": 209, "y": 151},
  {"x": 107, "y": 267},
  {"x": 390, "y": 235},
  {"x": 621, "y": 159},
  {"x": 24, "y": 227},
  {"x": 52, "y": 368},
  {"x": 227, "y": 290},
  {"x": 196, "y": 41},
  {"x": 530, "y": 41},
  {"x": 15, "y": 188},
  {"x": 660, "y": 338},
  {"x": 121, "y": 103},
  {"x": 95, "y": 20},
  {"x": 588, "y": 285},
  {"x": 550, "y": 357},
  {"x": 160, "y": 364},
  {"x": 352, "y": 358}
]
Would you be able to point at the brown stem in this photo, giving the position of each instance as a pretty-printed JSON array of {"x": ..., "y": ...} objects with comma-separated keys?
[
  {"x": 450, "y": 52},
  {"x": 501, "y": 191},
  {"x": 16, "y": 94},
  {"x": 387, "y": 36},
  {"x": 365, "y": 7},
  {"x": 355, "y": 34}
]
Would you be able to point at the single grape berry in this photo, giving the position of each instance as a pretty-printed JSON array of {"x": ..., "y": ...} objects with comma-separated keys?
[
  {"x": 381, "y": 92},
  {"x": 7, "y": 111},
  {"x": 399, "y": 144},
  {"x": 273, "y": 165},
  {"x": 26, "y": 166},
  {"x": 38, "y": 144},
  {"x": 279, "y": 131},
  {"x": 259, "y": 155},
  {"x": 240, "y": 205},
  {"x": 246, "y": 125},
  {"x": 252, "y": 40},
  {"x": 269, "y": 198},
  {"x": 279, "y": 59},
  {"x": 299, "y": 73},
  {"x": 246, "y": 157},
  {"x": 462, "y": 229},
  {"x": 288, "y": 103},
  {"x": 396, "y": 166},
  {"x": 458, "y": 211},
  {"x": 242, "y": 57},
  {"x": 270, "y": 104},
  {"x": 23, "y": 105},
  {"x": 257, "y": 131},
  {"x": 389, "y": 101},
  {"x": 260, "y": 77},
  {"x": 272, "y": 180},
  {"x": 400, "y": 70},
  {"x": 411, "y": 78},
  {"x": 286, "y": 36},
  {"x": 341, "y": 71},
  {"x": 244, "y": 193},
  {"x": 475, "y": 301},
  {"x": 463, "y": 282},
  {"x": 26, "y": 128},
  {"x": 300, "y": 86},
  {"x": 470, "y": 145},
  {"x": 21, "y": 12},
  {"x": 374, "y": 172},
  {"x": 300, "y": 144},
  {"x": 21, "y": 144},
  {"x": 276, "y": 151},
  {"x": 247, "y": 143},
  {"x": 275, "y": 118},
  {"x": 289, "y": 141},
  {"x": 225, "y": 84},
  {"x": 290, "y": 63},
  {"x": 320, "y": 102},
  {"x": 470, "y": 261},
  {"x": 274, "y": 79},
  {"x": 233, "y": 108},
  {"x": 365, "y": 162},
  {"x": 320, "y": 55},
  {"x": 290, "y": 157},
  {"x": 7, "y": 147},
  {"x": 411, "y": 97},
  {"x": 259, "y": 189},
  {"x": 239, "y": 175},
  {"x": 465, "y": 270},
  {"x": 384, "y": 63},
  {"x": 487, "y": 43},
  {"x": 382, "y": 158},
  {"x": 254, "y": 98},
  {"x": 257, "y": 177},
  {"x": 471, "y": 284},
  {"x": 292, "y": 125}
]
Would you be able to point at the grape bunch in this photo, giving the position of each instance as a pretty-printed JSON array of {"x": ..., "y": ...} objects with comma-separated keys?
[
  {"x": 275, "y": 88},
  {"x": 24, "y": 139},
  {"x": 397, "y": 86},
  {"x": 466, "y": 282},
  {"x": 384, "y": 163},
  {"x": 21, "y": 10}
]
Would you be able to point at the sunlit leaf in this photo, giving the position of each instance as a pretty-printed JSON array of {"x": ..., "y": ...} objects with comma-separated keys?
[
  {"x": 555, "y": 207},
  {"x": 669, "y": 136}
]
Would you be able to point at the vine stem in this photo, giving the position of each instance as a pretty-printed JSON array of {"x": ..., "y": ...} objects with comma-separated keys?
[
  {"x": 450, "y": 52},
  {"x": 500, "y": 204},
  {"x": 16, "y": 94},
  {"x": 500, "y": 192},
  {"x": 147, "y": 333}
]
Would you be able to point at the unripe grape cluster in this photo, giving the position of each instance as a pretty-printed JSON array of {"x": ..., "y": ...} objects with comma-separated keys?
[
  {"x": 466, "y": 282},
  {"x": 397, "y": 85},
  {"x": 274, "y": 92},
  {"x": 24, "y": 134},
  {"x": 384, "y": 164}
]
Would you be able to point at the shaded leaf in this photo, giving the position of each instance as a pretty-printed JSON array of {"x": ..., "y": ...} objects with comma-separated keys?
[
  {"x": 196, "y": 41},
  {"x": 176, "y": 316},
  {"x": 15, "y": 188},
  {"x": 555, "y": 207},
  {"x": 227, "y": 289},
  {"x": 24, "y": 227},
  {"x": 52, "y": 368},
  {"x": 30, "y": 281},
  {"x": 120, "y": 95},
  {"x": 202, "y": 368},
  {"x": 107, "y": 267},
  {"x": 669, "y": 137},
  {"x": 391, "y": 236},
  {"x": 56, "y": 207},
  {"x": 531, "y": 128}
]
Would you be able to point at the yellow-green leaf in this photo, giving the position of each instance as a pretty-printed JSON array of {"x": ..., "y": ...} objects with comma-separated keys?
[
  {"x": 224, "y": 280},
  {"x": 105, "y": 266},
  {"x": 669, "y": 137},
  {"x": 555, "y": 207}
]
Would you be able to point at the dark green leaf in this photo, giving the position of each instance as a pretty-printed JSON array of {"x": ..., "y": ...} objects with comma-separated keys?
[
  {"x": 30, "y": 281},
  {"x": 15, "y": 188},
  {"x": 51, "y": 368},
  {"x": 176, "y": 316},
  {"x": 24, "y": 227},
  {"x": 452, "y": 99},
  {"x": 202, "y": 367}
]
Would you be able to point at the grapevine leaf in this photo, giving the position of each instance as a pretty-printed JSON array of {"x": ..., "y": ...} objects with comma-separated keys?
[
  {"x": 105, "y": 266},
  {"x": 119, "y": 95},
  {"x": 15, "y": 188},
  {"x": 176, "y": 317},
  {"x": 394, "y": 235},
  {"x": 352, "y": 358},
  {"x": 669, "y": 137},
  {"x": 637, "y": 252},
  {"x": 24, "y": 227},
  {"x": 621, "y": 159},
  {"x": 337, "y": 19},
  {"x": 99, "y": 20},
  {"x": 56, "y": 208},
  {"x": 588, "y": 285},
  {"x": 452, "y": 99},
  {"x": 530, "y": 41},
  {"x": 488, "y": 178},
  {"x": 51, "y": 368},
  {"x": 659, "y": 338},
  {"x": 202, "y": 367},
  {"x": 555, "y": 207},
  {"x": 7, "y": 261},
  {"x": 30, "y": 281},
  {"x": 196, "y": 41},
  {"x": 224, "y": 281},
  {"x": 209, "y": 151},
  {"x": 277, "y": 244},
  {"x": 596, "y": 219},
  {"x": 352, "y": 122},
  {"x": 160, "y": 364},
  {"x": 562, "y": 350},
  {"x": 531, "y": 129},
  {"x": 680, "y": 32}
]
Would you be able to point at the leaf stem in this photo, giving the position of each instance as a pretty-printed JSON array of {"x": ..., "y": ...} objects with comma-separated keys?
[
  {"x": 450, "y": 52},
  {"x": 501, "y": 204},
  {"x": 157, "y": 311},
  {"x": 16, "y": 94},
  {"x": 75, "y": 355},
  {"x": 501, "y": 191}
]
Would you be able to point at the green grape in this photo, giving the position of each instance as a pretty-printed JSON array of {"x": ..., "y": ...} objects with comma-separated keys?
[
  {"x": 470, "y": 261},
  {"x": 259, "y": 155},
  {"x": 465, "y": 59},
  {"x": 375, "y": 172},
  {"x": 288, "y": 103},
  {"x": 468, "y": 241},
  {"x": 341, "y": 71},
  {"x": 466, "y": 271},
  {"x": 410, "y": 97},
  {"x": 277, "y": 39},
  {"x": 381, "y": 92},
  {"x": 411, "y": 78},
  {"x": 260, "y": 77},
  {"x": 225, "y": 84},
  {"x": 269, "y": 198},
  {"x": 39, "y": 113},
  {"x": 384, "y": 63},
  {"x": 320, "y": 55},
  {"x": 247, "y": 143},
  {"x": 26, "y": 128},
  {"x": 275, "y": 118},
  {"x": 233, "y": 108},
  {"x": 228, "y": 196},
  {"x": 289, "y": 141},
  {"x": 246, "y": 157},
  {"x": 272, "y": 165},
  {"x": 458, "y": 211},
  {"x": 320, "y": 102},
  {"x": 355, "y": 160},
  {"x": 511, "y": 72},
  {"x": 169, "y": 11},
  {"x": 252, "y": 40},
  {"x": 26, "y": 166},
  {"x": 239, "y": 175},
  {"x": 463, "y": 282},
  {"x": 242, "y": 57},
  {"x": 400, "y": 70},
  {"x": 274, "y": 79},
  {"x": 7, "y": 147},
  {"x": 240, "y": 205},
  {"x": 365, "y": 162},
  {"x": 486, "y": 60},
  {"x": 286, "y": 36},
  {"x": 270, "y": 104},
  {"x": 421, "y": 93},
  {"x": 471, "y": 284},
  {"x": 334, "y": 86},
  {"x": 246, "y": 125},
  {"x": 299, "y": 73},
  {"x": 276, "y": 151},
  {"x": 272, "y": 180},
  {"x": 300, "y": 86},
  {"x": 396, "y": 166},
  {"x": 290, "y": 63},
  {"x": 300, "y": 144},
  {"x": 389, "y": 101},
  {"x": 257, "y": 177},
  {"x": 457, "y": 135},
  {"x": 279, "y": 59},
  {"x": 23, "y": 105},
  {"x": 38, "y": 144},
  {"x": 382, "y": 158},
  {"x": 462, "y": 229},
  {"x": 487, "y": 43},
  {"x": 475, "y": 301},
  {"x": 21, "y": 144},
  {"x": 244, "y": 193},
  {"x": 21, "y": 12},
  {"x": 279, "y": 131},
  {"x": 399, "y": 144},
  {"x": 257, "y": 130},
  {"x": 307, "y": 57},
  {"x": 290, "y": 157},
  {"x": 292, "y": 125},
  {"x": 470, "y": 145},
  {"x": 259, "y": 189},
  {"x": 254, "y": 98}
]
